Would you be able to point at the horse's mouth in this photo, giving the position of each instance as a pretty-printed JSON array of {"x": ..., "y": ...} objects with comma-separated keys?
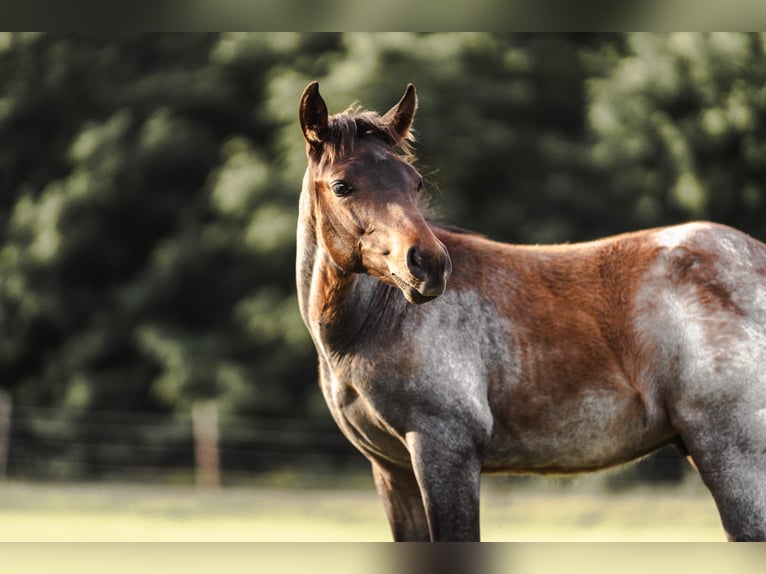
[{"x": 412, "y": 294}]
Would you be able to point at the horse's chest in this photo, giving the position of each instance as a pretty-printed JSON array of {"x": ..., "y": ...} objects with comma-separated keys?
[{"x": 360, "y": 421}]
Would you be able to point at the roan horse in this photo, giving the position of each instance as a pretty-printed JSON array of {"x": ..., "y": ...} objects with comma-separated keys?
[{"x": 544, "y": 359}]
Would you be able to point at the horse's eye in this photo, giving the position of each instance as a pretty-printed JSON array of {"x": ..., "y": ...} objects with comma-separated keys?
[
  {"x": 420, "y": 186},
  {"x": 340, "y": 188}
]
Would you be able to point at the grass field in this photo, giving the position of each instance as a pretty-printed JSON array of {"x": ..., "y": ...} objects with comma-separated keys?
[{"x": 544, "y": 512}]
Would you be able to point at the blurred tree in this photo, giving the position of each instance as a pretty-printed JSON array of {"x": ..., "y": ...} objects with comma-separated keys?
[
  {"x": 681, "y": 129},
  {"x": 147, "y": 249}
]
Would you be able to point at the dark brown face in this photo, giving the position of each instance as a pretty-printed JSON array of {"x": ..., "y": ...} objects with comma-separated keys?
[
  {"x": 369, "y": 221},
  {"x": 364, "y": 197}
]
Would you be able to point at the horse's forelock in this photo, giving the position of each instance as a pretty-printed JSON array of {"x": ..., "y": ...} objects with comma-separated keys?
[{"x": 346, "y": 127}]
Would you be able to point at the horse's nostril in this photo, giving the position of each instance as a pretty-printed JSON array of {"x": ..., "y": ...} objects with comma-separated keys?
[
  {"x": 416, "y": 264},
  {"x": 427, "y": 266}
]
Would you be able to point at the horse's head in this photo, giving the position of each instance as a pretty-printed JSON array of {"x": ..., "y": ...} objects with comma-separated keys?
[{"x": 364, "y": 192}]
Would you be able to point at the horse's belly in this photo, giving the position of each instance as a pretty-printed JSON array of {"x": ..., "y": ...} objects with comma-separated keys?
[{"x": 597, "y": 430}]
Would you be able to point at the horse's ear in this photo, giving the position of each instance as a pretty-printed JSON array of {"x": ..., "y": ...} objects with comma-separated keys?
[
  {"x": 313, "y": 114},
  {"x": 401, "y": 115}
]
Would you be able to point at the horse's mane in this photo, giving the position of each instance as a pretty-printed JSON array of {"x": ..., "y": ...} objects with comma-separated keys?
[{"x": 345, "y": 128}]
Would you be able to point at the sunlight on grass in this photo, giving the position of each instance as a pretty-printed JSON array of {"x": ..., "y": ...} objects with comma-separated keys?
[{"x": 35, "y": 512}]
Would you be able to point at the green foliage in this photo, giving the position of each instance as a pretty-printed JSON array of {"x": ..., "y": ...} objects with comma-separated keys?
[
  {"x": 150, "y": 184},
  {"x": 679, "y": 124},
  {"x": 140, "y": 216}
]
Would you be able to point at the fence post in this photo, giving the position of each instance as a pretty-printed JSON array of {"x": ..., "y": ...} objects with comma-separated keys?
[
  {"x": 5, "y": 431},
  {"x": 205, "y": 427}
]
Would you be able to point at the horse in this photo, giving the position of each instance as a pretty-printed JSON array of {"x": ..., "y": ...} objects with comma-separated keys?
[{"x": 444, "y": 355}]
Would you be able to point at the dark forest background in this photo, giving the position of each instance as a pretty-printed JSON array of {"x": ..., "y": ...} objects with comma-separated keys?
[{"x": 148, "y": 201}]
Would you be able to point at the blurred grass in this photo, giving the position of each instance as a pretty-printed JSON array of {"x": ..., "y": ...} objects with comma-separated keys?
[
  {"x": 581, "y": 511},
  {"x": 544, "y": 511}
]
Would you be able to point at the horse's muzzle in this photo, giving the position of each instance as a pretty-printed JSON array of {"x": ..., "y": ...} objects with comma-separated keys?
[{"x": 431, "y": 269}]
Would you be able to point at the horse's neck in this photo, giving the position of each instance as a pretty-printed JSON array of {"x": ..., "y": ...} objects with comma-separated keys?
[{"x": 339, "y": 308}]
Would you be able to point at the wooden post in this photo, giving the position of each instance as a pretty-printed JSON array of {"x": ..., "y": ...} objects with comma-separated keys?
[
  {"x": 5, "y": 432},
  {"x": 205, "y": 426}
]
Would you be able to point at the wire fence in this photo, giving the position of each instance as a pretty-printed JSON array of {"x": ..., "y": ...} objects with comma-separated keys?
[
  {"x": 65, "y": 445},
  {"x": 51, "y": 444}
]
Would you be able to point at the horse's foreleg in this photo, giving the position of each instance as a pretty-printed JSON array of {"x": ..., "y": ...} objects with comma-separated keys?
[
  {"x": 448, "y": 471},
  {"x": 400, "y": 493}
]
